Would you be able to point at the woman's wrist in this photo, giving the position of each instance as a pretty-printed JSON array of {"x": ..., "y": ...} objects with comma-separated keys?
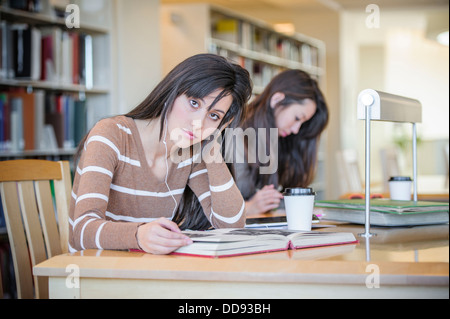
[{"x": 137, "y": 238}]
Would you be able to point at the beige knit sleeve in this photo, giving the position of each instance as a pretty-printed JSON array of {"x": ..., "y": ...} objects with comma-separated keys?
[
  {"x": 218, "y": 194},
  {"x": 91, "y": 194}
]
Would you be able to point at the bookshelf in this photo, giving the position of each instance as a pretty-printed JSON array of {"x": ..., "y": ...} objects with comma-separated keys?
[
  {"x": 54, "y": 81},
  {"x": 188, "y": 29}
]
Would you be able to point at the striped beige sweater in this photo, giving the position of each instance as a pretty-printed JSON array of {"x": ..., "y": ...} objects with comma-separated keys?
[{"x": 114, "y": 192}]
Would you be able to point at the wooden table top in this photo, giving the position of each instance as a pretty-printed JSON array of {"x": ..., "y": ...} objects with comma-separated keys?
[{"x": 404, "y": 256}]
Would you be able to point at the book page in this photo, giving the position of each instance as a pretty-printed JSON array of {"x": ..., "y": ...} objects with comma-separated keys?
[{"x": 237, "y": 234}]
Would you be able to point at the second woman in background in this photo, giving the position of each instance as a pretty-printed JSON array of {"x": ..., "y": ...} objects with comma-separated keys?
[{"x": 293, "y": 103}]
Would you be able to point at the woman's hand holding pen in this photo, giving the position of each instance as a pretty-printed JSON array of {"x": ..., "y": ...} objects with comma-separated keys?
[
  {"x": 161, "y": 236},
  {"x": 264, "y": 200}
]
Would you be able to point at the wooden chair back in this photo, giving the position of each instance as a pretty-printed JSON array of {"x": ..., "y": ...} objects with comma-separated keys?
[{"x": 35, "y": 231}]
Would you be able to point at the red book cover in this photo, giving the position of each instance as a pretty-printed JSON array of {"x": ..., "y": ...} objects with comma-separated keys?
[
  {"x": 76, "y": 57},
  {"x": 47, "y": 57}
]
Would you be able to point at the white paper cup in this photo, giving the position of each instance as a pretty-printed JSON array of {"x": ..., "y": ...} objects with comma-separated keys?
[
  {"x": 299, "y": 206},
  {"x": 400, "y": 188}
]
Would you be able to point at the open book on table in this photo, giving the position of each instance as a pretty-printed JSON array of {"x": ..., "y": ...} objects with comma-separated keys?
[
  {"x": 233, "y": 242},
  {"x": 385, "y": 212}
]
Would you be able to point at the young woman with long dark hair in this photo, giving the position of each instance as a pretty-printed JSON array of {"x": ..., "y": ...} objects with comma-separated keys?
[
  {"x": 293, "y": 103},
  {"x": 127, "y": 187}
]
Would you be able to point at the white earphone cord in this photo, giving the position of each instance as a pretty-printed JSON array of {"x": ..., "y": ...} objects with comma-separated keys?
[{"x": 167, "y": 169}]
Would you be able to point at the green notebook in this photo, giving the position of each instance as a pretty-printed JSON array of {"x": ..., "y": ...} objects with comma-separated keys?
[{"x": 385, "y": 212}]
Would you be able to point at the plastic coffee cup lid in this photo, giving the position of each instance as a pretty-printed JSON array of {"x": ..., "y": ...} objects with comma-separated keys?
[
  {"x": 298, "y": 191},
  {"x": 400, "y": 179}
]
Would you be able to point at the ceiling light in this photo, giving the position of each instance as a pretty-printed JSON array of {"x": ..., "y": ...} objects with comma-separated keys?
[{"x": 286, "y": 28}]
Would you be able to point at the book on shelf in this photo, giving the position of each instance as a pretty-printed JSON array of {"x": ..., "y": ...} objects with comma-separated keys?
[
  {"x": 5, "y": 119},
  {"x": 51, "y": 54},
  {"x": 263, "y": 41},
  {"x": 67, "y": 57},
  {"x": 246, "y": 35},
  {"x": 50, "y": 8},
  {"x": 16, "y": 124},
  {"x": 45, "y": 54},
  {"x": 385, "y": 212},
  {"x": 86, "y": 61},
  {"x": 229, "y": 242},
  {"x": 25, "y": 5},
  {"x": 68, "y": 117},
  {"x": 26, "y": 123},
  {"x": 227, "y": 30},
  {"x": 6, "y": 63},
  {"x": 34, "y": 121},
  {"x": 26, "y": 51}
]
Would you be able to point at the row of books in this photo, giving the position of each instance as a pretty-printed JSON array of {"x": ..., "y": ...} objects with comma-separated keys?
[
  {"x": 257, "y": 39},
  {"x": 46, "y": 7},
  {"x": 26, "y": 5},
  {"x": 45, "y": 54},
  {"x": 41, "y": 120},
  {"x": 260, "y": 72}
]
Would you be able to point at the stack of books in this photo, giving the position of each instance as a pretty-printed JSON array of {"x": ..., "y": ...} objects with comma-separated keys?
[
  {"x": 385, "y": 212},
  {"x": 230, "y": 242}
]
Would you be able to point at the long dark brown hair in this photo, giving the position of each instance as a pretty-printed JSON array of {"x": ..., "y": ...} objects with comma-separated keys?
[
  {"x": 297, "y": 153},
  {"x": 197, "y": 77}
]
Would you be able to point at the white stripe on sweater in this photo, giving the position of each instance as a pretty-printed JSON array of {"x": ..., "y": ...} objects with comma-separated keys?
[
  {"x": 97, "y": 236},
  {"x": 130, "y": 218},
  {"x": 97, "y": 169},
  {"x": 124, "y": 128},
  {"x": 79, "y": 219},
  {"x": 98, "y": 138},
  {"x": 82, "y": 232},
  {"x": 71, "y": 249},
  {"x": 222, "y": 188},
  {"x": 202, "y": 171},
  {"x": 203, "y": 196},
  {"x": 189, "y": 161},
  {"x": 91, "y": 195},
  {"x": 137, "y": 192},
  {"x": 229, "y": 220}
]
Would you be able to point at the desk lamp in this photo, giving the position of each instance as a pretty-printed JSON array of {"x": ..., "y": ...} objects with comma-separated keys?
[{"x": 381, "y": 106}]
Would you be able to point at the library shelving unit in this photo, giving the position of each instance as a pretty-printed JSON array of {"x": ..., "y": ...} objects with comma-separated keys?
[
  {"x": 54, "y": 80},
  {"x": 189, "y": 29}
]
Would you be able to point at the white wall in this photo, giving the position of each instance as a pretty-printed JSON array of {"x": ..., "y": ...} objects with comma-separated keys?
[
  {"x": 396, "y": 58},
  {"x": 136, "y": 52},
  {"x": 418, "y": 67},
  {"x": 184, "y": 30}
]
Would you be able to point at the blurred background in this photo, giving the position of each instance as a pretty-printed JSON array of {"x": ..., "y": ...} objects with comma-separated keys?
[{"x": 400, "y": 47}]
